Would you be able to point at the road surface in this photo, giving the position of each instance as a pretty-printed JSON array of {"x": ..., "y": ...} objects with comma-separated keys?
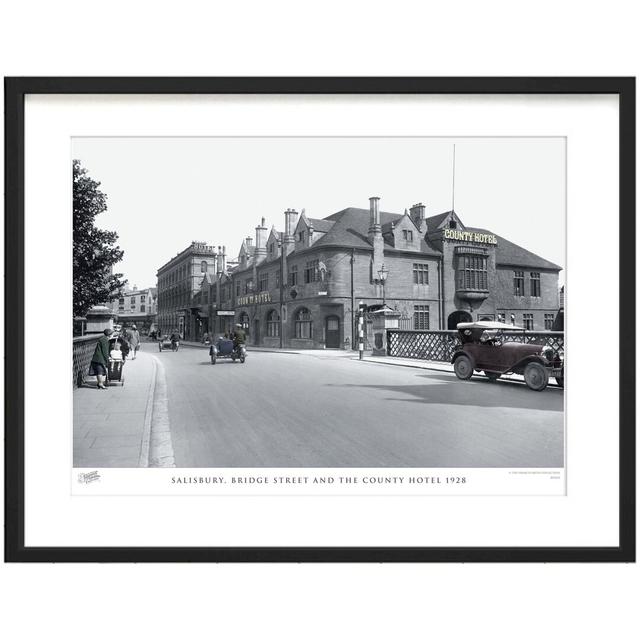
[{"x": 329, "y": 410}]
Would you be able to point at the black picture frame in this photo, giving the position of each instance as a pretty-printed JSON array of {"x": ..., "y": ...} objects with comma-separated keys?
[{"x": 15, "y": 91}]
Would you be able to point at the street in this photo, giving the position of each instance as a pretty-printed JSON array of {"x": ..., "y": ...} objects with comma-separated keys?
[{"x": 330, "y": 410}]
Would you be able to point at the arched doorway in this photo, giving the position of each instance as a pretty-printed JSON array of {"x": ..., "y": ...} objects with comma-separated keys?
[
  {"x": 458, "y": 316},
  {"x": 332, "y": 332}
]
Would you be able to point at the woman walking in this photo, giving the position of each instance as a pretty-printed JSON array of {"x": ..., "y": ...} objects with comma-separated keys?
[
  {"x": 133, "y": 337},
  {"x": 100, "y": 359}
]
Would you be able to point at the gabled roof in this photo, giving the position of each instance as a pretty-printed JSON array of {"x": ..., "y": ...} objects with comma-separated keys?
[
  {"x": 434, "y": 222},
  {"x": 509, "y": 253},
  {"x": 351, "y": 229},
  {"x": 319, "y": 224}
]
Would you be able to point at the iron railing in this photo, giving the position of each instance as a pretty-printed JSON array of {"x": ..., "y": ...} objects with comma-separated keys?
[
  {"x": 441, "y": 345},
  {"x": 83, "y": 348}
]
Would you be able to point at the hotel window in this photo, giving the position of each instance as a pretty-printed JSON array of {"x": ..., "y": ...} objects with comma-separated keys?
[
  {"x": 121, "y": 301},
  {"x": 273, "y": 324},
  {"x": 421, "y": 317},
  {"x": 407, "y": 234},
  {"x": 248, "y": 285},
  {"x": 263, "y": 283},
  {"x": 535, "y": 284},
  {"x": 237, "y": 288},
  {"x": 301, "y": 236},
  {"x": 518, "y": 283},
  {"x": 548, "y": 321},
  {"x": 142, "y": 299},
  {"x": 472, "y": 272},
  {"x": 452, "y": 224},
  {"x": 214, "y": 294},
  {"x": 142, "y": 307},
  {"x": 420, "y": 273},
  {"x": 133, "y": 302},
  {"x": 205, "y": 297},
  {"x": 277, "y": 278},
  {"x": 293, "y": 276},
  {"x": 271, "y": 246},
  {"x": 203, "y": 266},
  {"x": 310, "y": 271},
  {"x": 303, "y": 324},
  {"x": 527, "y": 319}
]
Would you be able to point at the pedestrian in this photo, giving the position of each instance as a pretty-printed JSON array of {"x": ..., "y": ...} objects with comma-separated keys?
[
  {"x": 133, "y": 338},
  {"x": 100, "y": 359}
]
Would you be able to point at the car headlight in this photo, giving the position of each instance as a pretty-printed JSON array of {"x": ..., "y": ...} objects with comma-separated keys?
[{"x": 547, "y": 352}]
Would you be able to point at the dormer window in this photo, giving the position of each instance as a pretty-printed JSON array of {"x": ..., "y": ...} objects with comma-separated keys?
[
  {"x": 301, "y": 236},
  {"x": 453, "y": 224},
  {"x": 407, "y": 234}
]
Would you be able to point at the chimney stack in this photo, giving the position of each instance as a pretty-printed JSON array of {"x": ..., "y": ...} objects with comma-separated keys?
[
  {"x": 219, "y": 267},
  {"x": 374, "y": 215},
  {"x": 418, "y": 216},
  {"x": 375, "y": 236},
  {"x": 290, "y": 223},
  {"x": 261, "y": 242}
]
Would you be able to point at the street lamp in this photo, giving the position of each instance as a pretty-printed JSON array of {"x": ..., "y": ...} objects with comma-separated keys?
[{"x": 383, "y": 272}]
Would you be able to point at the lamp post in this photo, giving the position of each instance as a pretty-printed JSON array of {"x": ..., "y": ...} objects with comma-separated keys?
[{"x": 383, "y": 272}]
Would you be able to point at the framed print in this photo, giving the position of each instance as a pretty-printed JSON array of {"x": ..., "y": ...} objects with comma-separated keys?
[{"x": 320, "y": 319}]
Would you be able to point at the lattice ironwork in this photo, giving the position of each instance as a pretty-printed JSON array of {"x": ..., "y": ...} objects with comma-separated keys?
[
  {"x": 422, "y": 345},
  {"x": 83, "y": 349},
  {"x": 553, "y": 339},
  {"x": 440, "y": 345}
]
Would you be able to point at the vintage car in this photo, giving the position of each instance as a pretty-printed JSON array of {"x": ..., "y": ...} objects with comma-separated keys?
[{"x": 483, "y": 348}]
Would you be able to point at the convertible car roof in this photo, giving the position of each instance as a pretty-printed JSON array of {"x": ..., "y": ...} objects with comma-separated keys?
[{"x": 486, "y": 324}]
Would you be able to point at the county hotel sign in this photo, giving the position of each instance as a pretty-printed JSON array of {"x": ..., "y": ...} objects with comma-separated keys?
[{"x": 469, "y": 236}]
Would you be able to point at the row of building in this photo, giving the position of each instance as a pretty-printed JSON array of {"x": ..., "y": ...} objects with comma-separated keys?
[
  {"x": 136, "y": 306},
  {"x": 301, "y": 287}
]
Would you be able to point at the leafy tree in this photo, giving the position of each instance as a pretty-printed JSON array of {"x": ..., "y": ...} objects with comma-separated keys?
[{"x": 94, "y": 250}]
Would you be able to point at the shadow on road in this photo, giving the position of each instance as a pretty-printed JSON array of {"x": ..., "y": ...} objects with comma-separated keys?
[{"x": 476, "y": 393}]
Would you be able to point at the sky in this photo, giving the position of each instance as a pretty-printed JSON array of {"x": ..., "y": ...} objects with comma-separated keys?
[{"x": 163, "y": 193}]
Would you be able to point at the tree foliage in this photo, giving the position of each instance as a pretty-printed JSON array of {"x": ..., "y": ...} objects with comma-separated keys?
[{"x": 94, "y": 250}]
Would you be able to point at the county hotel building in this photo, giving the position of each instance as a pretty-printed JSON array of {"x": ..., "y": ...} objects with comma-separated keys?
[{"x": 300, "y": 288}]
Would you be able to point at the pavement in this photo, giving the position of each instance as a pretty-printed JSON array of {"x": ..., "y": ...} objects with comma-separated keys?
[
  {"x": 112, "y": 427},
  {"x": 311, "y": 408}
]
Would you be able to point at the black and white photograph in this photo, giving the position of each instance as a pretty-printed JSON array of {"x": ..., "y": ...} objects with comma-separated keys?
[{"x": 372, "y": 303}]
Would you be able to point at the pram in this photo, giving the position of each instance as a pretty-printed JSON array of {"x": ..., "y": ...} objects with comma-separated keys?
[{"x": 115, "y": 367}]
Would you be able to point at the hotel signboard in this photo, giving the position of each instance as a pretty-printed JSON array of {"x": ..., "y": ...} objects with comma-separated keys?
[
  {"x": 469, "y": 236},
  {"x": 254, "y": 298}
]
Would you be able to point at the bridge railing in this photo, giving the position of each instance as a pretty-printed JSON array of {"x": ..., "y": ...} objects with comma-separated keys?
[
  {"x": 83, "y": 348},
  {"x": 441, "y": 345}
]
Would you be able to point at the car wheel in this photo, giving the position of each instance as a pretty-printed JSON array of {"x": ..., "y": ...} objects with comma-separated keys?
[
  {"x": 491, "y": 375},
  {"x": 536, "y": 376},
  {"x": 463, "y": 368},
  {"x": 560, "y": 381}
]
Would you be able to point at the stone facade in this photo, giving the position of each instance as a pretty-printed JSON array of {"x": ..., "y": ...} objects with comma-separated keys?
[
  {"x": 178, "y": 281},
  {"x": 301, "y": 288}
]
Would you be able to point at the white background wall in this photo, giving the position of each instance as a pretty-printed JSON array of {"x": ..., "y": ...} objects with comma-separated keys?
[{"x": 330, "y": 38}]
